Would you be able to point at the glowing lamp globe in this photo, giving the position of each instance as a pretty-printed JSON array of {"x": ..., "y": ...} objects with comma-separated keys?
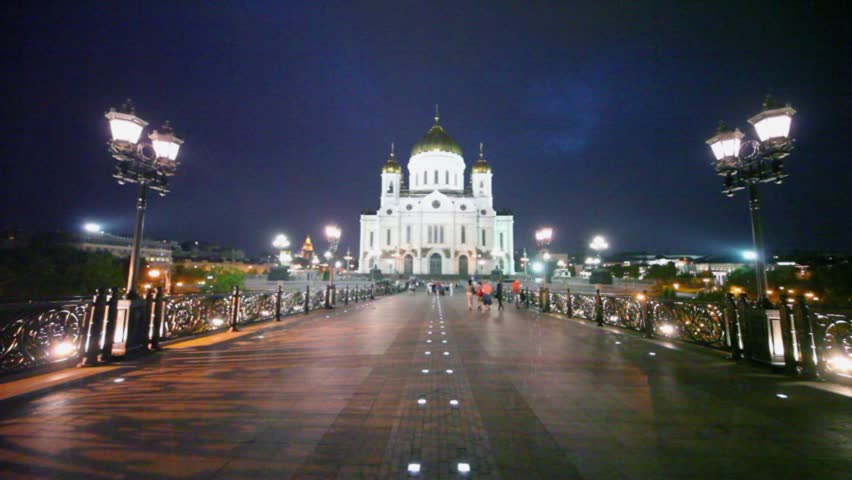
[
  {"x": 281, "y": 241},
  {"x": 544, "y": 234},
  {"x": 165, "y": 143},
  {"x": 332, "y": 232},
  {"x": 726, "y": 144},
  {"x": 773, "y": 124},
  {"x": 125, "y": 127}
]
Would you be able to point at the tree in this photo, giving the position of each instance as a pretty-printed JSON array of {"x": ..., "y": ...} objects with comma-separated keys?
[
  {"x": 617, "y": 270},
  {"x": 225, "y": 279},
  {"x": 49, "y": 270},
  {"x": 663, "y": 273}
]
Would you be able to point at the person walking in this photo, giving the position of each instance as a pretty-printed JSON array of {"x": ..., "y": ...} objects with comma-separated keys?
[
  {"x": 516, "y": 292},
  {"x": 470, "y": 293},
  {"x": 487, "y": 290},
  {"x": 499, "y": 294}
]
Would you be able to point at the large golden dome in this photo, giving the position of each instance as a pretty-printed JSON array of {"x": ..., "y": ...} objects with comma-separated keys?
[{"x": 436, "y": 140}]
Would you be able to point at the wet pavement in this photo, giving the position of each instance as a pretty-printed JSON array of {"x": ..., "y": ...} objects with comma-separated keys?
[{"x": 352, "y": 393}]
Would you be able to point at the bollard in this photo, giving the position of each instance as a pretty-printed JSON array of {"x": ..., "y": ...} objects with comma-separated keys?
[
  {"x": 732, "y": 320},
  {"x": 307, "y": 299},
  {"x": 745, "y": 332},
  {"x": 279, "y": 297},
  {"x": 346, "y": 295},
  {"x": 148, "y": 327},
  {"x": 569, "y": 307},
  {"x": 599, "y": 307},
  {"x": 328, "y": 296},
  {"x": 544, "y": 299},
  {"x": 373, "y": 291},
  {"x": 111, "y": 320},
  {"x": 94, "y": 327},
  {"x": 805, "y": 336},
  {"x": 647, "y": 318},
  {"x": 785, "y": 315},
  {"x": 235, "y": 309},
  {"x": 157, "y": 321}
]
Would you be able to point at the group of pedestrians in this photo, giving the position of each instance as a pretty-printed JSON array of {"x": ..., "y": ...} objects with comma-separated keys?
[
  {"x": 483, "y": 293},
  {"x": 438, "y": 288}
]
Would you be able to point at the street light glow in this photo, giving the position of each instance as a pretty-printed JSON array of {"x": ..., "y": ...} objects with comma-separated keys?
[
  {"x": 92, "y": 228},
  {"x": 154, "y": 273},
  {"x": 281, "y": 241},
  {"x": 598, "y": 244},
  {"x": 332, "y": 232},
  {"x": 537, "y": 267},
  {"x": 750, "y": 255}
]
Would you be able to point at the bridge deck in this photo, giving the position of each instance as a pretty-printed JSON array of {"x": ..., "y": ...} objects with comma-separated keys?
[{"x": 334, "y": 395}]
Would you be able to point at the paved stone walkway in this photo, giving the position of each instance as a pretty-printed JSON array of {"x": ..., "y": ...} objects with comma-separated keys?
[{"x": 335, "y": 395}]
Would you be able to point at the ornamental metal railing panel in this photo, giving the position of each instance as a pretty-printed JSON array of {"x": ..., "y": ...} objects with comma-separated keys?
[{"x": 40, "y": 333}]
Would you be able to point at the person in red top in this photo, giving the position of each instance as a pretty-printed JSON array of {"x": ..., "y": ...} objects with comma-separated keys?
[
  {"x": 516, "y": 291},
  {"x": 487, "y": 289}
]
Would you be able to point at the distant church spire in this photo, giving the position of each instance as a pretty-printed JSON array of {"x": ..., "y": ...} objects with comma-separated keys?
[
  {"x": 392, "y": 147},
  {"x": 481, "y": 150},
  {"x": 437, "y": 115}
]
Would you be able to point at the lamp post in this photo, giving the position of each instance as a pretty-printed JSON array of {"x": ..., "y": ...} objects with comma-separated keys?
[
  {"x": 148, "y": 163},
  {"x": 745, "y": 163},
  {"x": 332, "y": 234},
  {"x": 525, "y": 262},
  {"x": 543, "y": 237},
  {"x": 282, "y": 243},
  {"x": 348, "y": 258},
  {"x": 598, "y": 244}
]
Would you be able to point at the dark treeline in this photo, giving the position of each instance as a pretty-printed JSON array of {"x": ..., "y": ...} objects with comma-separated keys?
[{"x": 43, "y": 270}]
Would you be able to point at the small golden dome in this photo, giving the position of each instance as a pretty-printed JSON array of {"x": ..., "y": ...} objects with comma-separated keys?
[
  {"x": 392, "y": 166},
  {"x": 481, "y": 165}
]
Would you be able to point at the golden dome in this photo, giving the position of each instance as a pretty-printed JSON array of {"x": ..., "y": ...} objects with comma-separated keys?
[
  {"x": 392, "y": 166},
  {"x": 436, "y": 140},
  {"x": 481, "y": 165}
]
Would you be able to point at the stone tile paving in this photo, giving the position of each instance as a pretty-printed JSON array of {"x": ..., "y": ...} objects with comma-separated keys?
[{"x": 335, "y": 396}]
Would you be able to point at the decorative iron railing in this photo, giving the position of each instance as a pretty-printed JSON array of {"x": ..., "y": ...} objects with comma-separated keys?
[
  {"x": 834, "y": 342},
  {"x": 37, "y": 334},
  {"x": 715, "y": 324},
  {"x": 40, "y": 333}
]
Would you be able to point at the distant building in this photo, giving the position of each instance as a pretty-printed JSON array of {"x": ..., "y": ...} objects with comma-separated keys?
[
  {"x": 307, "y": 251},
  {"x": 199, "y": 250},
  {"x": 205, "y": 265},
  {"x": 152, "y": 251}
]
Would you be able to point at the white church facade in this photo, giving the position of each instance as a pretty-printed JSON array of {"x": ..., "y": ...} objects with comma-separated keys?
[{"x": 437, "y": 224}]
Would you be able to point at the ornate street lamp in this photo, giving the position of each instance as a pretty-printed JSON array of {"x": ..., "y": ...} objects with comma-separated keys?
[
  {"x": 745, "y": 163},
  {"x": 148, "y": 163},
  {"x": 543, "y": 237},
  {"x": 332, "y": 234},
  {"x": 348, "y": 257},
  {"x": 599, "y": 244},
  {"x": 282, "y": 243}
]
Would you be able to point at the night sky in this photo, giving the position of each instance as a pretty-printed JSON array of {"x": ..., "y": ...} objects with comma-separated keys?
[{"x": 594, "y": 115}]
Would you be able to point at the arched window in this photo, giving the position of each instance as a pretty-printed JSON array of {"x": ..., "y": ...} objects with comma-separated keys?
[
  {"x": 447, "y": 177},
  {"x": 436, "y": 177},
  {"x": 425, "y": 178}
]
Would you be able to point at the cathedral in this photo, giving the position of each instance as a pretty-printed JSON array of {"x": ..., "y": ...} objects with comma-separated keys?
[{"x": 437, "y": 224}]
